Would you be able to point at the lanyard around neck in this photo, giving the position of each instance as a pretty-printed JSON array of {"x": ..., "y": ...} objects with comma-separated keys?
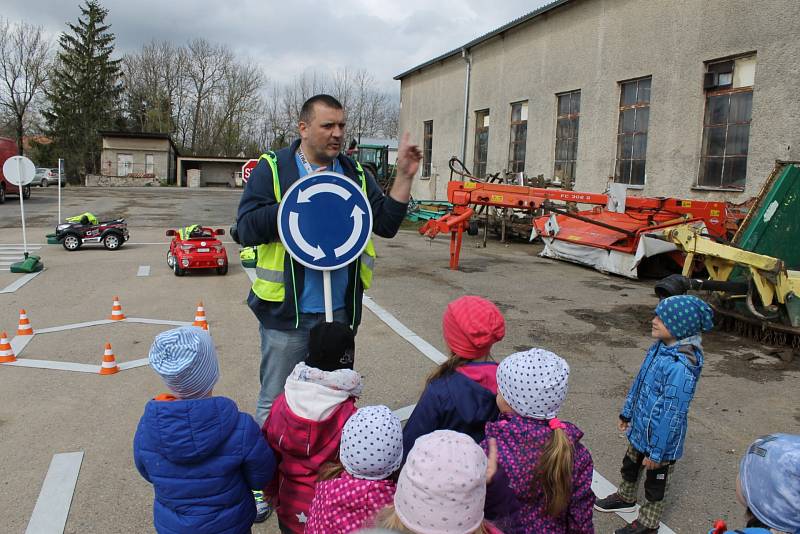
[{"x": 307, "y": 166}]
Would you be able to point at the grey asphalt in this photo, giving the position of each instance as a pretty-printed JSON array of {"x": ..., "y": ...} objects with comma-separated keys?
[{"x": 600, "y": 324}]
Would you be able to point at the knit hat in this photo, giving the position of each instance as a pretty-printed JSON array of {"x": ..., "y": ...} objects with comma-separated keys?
[
  {"x": 331, "y": 346},
  {"x": 533, "y": 383},
  {"x": 442, "y": 487},
  {"x": 372, "y": 443},
  {"x": 685, "y": 315},
  {"x": 770, "y": 478},
  {"x": 471, "y": 325},
  {"x": 186, "y": 360}
]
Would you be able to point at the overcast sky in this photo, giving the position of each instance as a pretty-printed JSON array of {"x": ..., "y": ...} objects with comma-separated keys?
[{"x": 383, "y": 36}]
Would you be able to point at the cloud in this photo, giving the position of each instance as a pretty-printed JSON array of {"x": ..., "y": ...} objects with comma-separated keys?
[{"x": 289, "y": 38}]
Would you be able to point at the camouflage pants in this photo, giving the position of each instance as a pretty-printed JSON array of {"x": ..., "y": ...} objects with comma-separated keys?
[{"x": 656, "y": 484}]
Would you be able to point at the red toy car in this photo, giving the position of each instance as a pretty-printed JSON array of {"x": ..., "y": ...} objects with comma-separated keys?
[{"x": 196, "y": 247}]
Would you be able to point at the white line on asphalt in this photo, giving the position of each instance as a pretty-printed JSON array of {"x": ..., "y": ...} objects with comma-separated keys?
[
  {"x": 19, "y": 282},
  {"x": 403, "y": 331},
  {"x": 52, "y": 507},
  {"x": 72, "y": 326},
  {"x": 600, "y": 485},
  {"x": 144, "y": 270},
  {"x": 18, "y": 343},
  {"x": 141, "y": 320},
  {"x": 133, "y": 364},
  {"x": 55, "y": 366}
]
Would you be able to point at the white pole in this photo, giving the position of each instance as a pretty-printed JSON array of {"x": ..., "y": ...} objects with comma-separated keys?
[
  {"x": 60, "y": 166},
  {"x": 326, "y": 288},
  {"x": 22, "y": 208}
]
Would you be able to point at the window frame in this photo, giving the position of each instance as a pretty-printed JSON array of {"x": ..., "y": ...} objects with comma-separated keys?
[
  {"x": 149, "y": 167},
  {"x": 636, "y": 106},
  {"x": 517, "y": 165},
  {"x": 427, "y": 148},
  {"x": 478, "y": 164},
  {"x": 575, "y": 127}
]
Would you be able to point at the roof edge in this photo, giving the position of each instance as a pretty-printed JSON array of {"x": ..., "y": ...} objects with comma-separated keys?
[{"x": 485, "y": 37}]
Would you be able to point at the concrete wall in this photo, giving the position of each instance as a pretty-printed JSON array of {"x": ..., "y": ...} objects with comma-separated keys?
[{"x": 592, "y": 45}]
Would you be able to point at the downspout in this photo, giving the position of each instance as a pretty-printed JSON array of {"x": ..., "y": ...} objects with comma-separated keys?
[{"x": 468, "y": 59}]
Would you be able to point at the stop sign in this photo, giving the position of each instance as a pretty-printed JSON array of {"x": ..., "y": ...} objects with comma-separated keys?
[{"x": 247, "y": 168}]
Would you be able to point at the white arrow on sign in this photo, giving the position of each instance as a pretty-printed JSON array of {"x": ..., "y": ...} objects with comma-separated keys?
[
  {"x": 294, "y": 227},
  {"x": 358, "y": 224},
  {"x": 306, "y": 194}
]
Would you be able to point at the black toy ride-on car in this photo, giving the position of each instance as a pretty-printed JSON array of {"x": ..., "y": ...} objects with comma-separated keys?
[{"x": 111, "y": 234}]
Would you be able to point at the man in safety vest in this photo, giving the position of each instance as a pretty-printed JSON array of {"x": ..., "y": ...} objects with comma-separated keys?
[{"x": 286, "y": 298}]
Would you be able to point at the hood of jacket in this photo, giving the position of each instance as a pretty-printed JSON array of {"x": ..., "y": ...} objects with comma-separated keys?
[
  {"x": 472, "y": 401},
  {"x": 519, "y": 429},
  {"x": 688, "y": 351},
  {"x": 188, "y": 431},
  {"x": 303, "y": 437}
]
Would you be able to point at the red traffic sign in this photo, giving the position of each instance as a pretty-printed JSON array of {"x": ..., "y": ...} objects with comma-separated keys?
[{"x": 247, "y": 168}]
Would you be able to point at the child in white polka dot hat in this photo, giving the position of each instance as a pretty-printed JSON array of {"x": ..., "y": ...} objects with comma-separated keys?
[
  {"x": 655, "y": 413},
  {"x": 548, "y": 468},
  {"x": 352, "y": 491}
]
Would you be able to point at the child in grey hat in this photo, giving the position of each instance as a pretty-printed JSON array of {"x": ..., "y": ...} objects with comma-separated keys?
[{"x": 200, "y": 453}]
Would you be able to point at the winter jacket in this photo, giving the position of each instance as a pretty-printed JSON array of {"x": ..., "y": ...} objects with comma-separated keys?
[
  {"x": 203, "y": 458},
  {"x": 520, "y": 443},
  {"x": 302, "y": 445},
  {"x": 455, "y": 402},
  {"x": 347, "y": 504},
  {"x": 756, "y": 530},
  {"x": 257, "y": 224},
  {"x": 658, "y": 401}
]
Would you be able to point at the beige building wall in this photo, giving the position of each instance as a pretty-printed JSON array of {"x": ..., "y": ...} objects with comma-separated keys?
[
  {"x": 592, "y": 45},
  {"x": 138, "y": 149}
]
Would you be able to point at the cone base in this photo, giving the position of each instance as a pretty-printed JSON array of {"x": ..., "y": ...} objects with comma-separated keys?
[
  {"x": 116, "y": 317},
  {"x": 24, "y": 332},
  {"x": 7, "y": 359},
  {"x": 109, "y": 370}
]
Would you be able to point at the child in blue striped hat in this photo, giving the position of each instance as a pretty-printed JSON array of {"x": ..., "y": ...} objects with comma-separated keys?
[
  {"x": 656, "y": 409},
  {"x": 201, "y": 453}
]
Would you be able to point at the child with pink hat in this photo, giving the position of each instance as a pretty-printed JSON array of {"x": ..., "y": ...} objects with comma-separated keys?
[{"x": 460, "y": 394}]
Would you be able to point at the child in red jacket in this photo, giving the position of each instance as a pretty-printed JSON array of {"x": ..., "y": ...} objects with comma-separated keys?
[{"x": 305, "y": 424}]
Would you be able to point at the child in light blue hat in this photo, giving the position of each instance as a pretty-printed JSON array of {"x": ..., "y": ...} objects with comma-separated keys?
[{"x": 200, "y": 453}]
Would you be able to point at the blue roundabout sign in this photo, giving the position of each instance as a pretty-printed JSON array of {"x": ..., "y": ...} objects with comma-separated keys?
[{"x": 325, "y": 221}]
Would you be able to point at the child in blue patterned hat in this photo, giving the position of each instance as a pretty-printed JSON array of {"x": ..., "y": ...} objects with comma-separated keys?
[
  {"x": 201, "y": 453},
  {"x": 656, "y": 408}
]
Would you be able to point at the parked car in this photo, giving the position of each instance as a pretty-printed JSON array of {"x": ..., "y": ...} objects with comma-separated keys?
[
  {"x": 8, "y": 148},
  {"x": 45, "y": 177},
  {"x": 196, "y": 247},
  {"x": 73, "y": 235}
]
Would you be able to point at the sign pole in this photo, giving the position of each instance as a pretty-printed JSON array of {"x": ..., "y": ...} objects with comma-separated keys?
[
  {"x": 22, "y": 210},
  {"x": 326, "y": 288},
  {"x": 60, "y": 167}
]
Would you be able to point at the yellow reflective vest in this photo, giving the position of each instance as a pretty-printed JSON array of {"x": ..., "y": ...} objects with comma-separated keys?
[{"x": 270, "y": 284}]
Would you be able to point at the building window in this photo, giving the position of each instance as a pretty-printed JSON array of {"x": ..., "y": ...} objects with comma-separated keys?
[
  {"x": 634, "y": 114},
  {"x": 519, "y": 136},
  {"x": 149, "y": 166},
  {"x": 726, "y": 124},
  {"x": 481, "y": 143},
  {"x": 427, "y": 148},
  {"x": 124, "y": 164},
  {"x": 569, "y": 112}
]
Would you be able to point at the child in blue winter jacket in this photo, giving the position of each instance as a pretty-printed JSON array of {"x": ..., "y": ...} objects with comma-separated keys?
[
  {"x": 656, "y": 408},
  {"x": 201, "y": 453},
  {"x": 769, "y": 486},
  {"x": 460, "y": 393}
]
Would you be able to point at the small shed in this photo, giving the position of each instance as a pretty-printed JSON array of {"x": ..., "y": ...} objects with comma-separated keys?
[
  {"x": 137, "y": 156},
  {"x": 210, "y": 171}
]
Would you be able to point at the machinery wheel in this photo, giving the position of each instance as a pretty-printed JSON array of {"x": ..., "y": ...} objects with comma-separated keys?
[
  {"x": 170, "y": 260},
  {"x": 43, "y": 183},
  {"x": 26, "y": 192},
  {"x": 112, "y": 241},
  {"x": 2, "y": 194},
  {"x": 177, "y": 270},
  {"x": 71, "y": 242},
  {"x": 472, "y": 229},
  {"x": 222, "y": 270}
]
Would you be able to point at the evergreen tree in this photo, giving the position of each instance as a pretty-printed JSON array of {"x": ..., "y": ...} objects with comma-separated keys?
[{"x": 84, "y": 95}]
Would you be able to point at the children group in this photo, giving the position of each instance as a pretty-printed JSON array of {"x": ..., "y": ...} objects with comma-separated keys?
[{"x": 483, "y": 451}]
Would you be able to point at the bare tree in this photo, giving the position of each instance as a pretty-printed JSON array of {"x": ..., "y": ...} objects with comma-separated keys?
[
  {"x": 206, "y": 71},
  {"x": 24, "y": 67}
]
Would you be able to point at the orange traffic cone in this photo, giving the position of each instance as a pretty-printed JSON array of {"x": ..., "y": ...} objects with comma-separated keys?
[
  {"x": 116, "y": 311},
  {"x": 200, "y": 317},
  {"x": 6, "y": 352},
  {"x": 109, "y": 366},
  {"x": 24, "y": 328}
]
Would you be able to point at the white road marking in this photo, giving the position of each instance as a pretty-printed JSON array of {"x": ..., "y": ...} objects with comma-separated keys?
[
  {"x": 19, "y": 282},
  {"x": 133, "y": 364},
  {"x": 144, "y": 270},
  {"x": 600, "y": 485},
  {"x": 52, "y": 507},
  {"x": 55, "y": 366}
]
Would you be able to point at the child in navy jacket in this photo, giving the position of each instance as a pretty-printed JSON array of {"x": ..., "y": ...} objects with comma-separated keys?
[
  {"x": 201, "y": 453},
  {"x": 460, "y": 394}
]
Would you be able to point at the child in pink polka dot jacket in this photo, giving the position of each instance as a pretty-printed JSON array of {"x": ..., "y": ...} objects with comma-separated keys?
[
  {"x": 350, "y": 493},
  {"x": 549, "y": 470}
]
